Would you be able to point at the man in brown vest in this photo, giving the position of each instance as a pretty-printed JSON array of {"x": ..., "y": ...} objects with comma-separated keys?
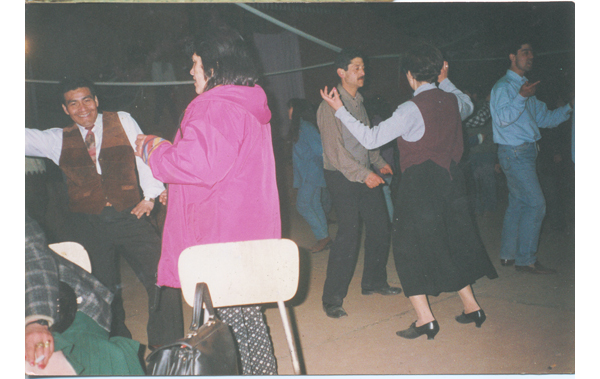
[{"x": 109, "y": 209}]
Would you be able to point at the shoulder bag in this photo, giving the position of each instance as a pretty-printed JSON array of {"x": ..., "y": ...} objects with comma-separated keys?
[{"x": 207, "y": 349}]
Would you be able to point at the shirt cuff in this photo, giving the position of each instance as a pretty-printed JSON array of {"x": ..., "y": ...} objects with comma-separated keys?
[{"x": 150, "y": 144}]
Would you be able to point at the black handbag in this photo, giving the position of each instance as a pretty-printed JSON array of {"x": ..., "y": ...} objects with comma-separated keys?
[{"x": 207, "y": 349}]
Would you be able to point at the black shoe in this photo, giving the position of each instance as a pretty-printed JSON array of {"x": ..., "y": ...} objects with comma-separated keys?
[
  {"x": 430, "y": 329},
  {"x": 507, "y": 262},
  {"x": 385, "y": 291},
  {"x": 478, "y": 317},
  {"x": 536, "y": 269},
  {"x": 334, "y": 311}
]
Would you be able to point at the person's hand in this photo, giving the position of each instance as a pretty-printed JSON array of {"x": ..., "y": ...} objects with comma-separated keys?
[
  {"x": 498, "y": 168},
  {"x": 373, "y": 180},
  {"x": 332, "y": 98},
  {"x": 144, "y": 207},
  {"x": 387, "y": 169},
  {"x": 163, "y": 197},
  {"x": 528, "y": 89},
  {"x": 139, "y": 143},
  {"x": 39, "y": 345},
  {"x": 444, "y": 73}
]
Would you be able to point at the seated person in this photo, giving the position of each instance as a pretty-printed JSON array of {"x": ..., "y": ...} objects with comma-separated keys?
[{"x": 85, "y": 343}]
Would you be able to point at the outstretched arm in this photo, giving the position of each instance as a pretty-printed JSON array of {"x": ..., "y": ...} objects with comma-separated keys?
[
  {"x": 406, "y": 122},
  {"x": 465, "y": 105}
]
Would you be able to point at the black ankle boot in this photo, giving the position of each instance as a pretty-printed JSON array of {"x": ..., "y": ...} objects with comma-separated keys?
[
  {"x": 430, "y": 329},
  {"x": 478, "y": 317}
]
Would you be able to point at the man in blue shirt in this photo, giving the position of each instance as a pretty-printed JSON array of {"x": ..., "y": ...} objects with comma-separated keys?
[{"x": 517, "y": 116}]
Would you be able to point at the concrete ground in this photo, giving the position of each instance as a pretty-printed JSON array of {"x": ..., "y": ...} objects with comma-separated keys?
[{"x": 530, "y": 327}]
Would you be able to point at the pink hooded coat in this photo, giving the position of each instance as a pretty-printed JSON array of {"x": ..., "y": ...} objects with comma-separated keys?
[{"x": 221, "y": 175}]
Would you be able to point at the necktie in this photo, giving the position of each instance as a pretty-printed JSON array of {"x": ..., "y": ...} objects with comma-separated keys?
[{"x": 90, "y": 142}]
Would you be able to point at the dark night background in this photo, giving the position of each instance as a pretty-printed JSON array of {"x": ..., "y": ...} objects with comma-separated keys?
[{"x": 113, "y": 42}]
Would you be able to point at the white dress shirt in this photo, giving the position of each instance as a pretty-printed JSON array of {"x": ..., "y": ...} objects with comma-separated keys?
[{"x": 48, "y": 144}]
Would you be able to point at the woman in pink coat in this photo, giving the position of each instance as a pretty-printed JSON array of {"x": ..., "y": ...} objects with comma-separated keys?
[{"x": 220, "y": 172}]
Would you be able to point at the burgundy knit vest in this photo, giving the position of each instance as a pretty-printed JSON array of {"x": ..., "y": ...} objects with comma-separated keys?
[
  {"x": 118, "y": 185},
  {"x": 442, "y": 141}
]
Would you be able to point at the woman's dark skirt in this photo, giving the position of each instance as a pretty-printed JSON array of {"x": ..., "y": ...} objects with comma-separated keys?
[{"x": 436, "y": 246}]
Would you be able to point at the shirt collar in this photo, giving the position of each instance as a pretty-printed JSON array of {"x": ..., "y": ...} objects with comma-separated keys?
[
  {"x": 95, "y": 128},
  {"x": 516, "y": 77},
  {"x": 346, "y": 94},
  {"x": 423, "y": 88}
]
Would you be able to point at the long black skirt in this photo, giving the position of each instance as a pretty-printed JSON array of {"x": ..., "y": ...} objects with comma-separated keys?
[{"x": 436, "y": 246}]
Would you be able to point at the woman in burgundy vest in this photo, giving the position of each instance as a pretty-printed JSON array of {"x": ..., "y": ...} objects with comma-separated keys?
[{"x": 436, "y": 247}]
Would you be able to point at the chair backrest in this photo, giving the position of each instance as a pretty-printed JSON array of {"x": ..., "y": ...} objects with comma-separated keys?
[
  {"x": 74, "y": 252},
  {"x": 241, "y": 273}
]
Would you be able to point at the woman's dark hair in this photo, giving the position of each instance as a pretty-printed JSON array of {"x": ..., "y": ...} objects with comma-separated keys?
[
  {"x": 226, "y": 58},
  {"x": 424, "y": 61},
  {"x": 72, "y": 83},
  {"x": 302, "y": 110}
]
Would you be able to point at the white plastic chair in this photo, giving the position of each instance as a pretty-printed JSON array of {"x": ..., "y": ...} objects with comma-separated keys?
[
  {"x": 245, "y": 273},
  {"x": 73, "y": 252}
]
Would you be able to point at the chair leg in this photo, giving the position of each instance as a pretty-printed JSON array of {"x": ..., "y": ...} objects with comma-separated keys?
[{"x": 289, "y": 337}]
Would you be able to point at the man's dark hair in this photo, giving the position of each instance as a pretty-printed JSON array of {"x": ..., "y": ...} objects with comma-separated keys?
[
  {"x": 72, "y": 83},
  {"x": 424, "y": 61},
  {"x": 516, "y": 44},
  {"x": 226, "y": 58},
  {"x": 345, "y": 56}
]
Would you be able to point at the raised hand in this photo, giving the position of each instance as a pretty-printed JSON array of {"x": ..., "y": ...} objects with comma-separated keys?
[
  {"x": 332, "y": 98},
  {"x": 528, "y": 89},
  {"x": 444, "y": 73}
]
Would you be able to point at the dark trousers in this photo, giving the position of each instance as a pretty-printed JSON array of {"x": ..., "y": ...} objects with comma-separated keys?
[
  {"x": 353, "y": 201},
  {"x": 111, "y": 234}
]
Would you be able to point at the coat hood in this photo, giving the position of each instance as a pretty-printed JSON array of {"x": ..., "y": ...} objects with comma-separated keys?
[{"x": 253, "y": 99}]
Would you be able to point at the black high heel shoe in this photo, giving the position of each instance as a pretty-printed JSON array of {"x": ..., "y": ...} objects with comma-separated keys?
[
  {"x": 478, "y": 317},
  {"x": 430, "y": 329}
]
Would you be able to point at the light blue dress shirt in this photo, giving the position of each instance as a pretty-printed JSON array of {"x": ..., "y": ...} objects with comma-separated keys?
[{"x": 517, "y": 119}]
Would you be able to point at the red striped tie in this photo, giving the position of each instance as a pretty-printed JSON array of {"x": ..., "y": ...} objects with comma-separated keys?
[{"x": 90, "y": 142}]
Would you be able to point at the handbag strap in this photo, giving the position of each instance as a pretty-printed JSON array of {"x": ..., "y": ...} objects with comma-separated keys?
[{"x": 202, "y": 296}]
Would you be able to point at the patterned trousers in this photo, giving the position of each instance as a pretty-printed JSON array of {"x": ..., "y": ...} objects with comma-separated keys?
[{"x": 253, "y": 340}]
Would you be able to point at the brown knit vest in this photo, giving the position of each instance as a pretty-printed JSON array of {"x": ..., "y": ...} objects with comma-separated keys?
[
  {"x": 118, "y": 185},
  {"x": 442, "y": 141}
]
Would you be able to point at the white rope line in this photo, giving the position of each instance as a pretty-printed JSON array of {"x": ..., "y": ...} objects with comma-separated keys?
[
  {"x": 149, "y": 84},
  {"x": 140, "y": 84},
  {"x": 290, "y": 28}
]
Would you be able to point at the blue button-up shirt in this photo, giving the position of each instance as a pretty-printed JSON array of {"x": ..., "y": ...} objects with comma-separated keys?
[{"x": 517, "y": 119}]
